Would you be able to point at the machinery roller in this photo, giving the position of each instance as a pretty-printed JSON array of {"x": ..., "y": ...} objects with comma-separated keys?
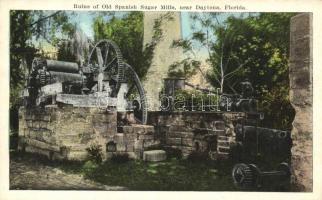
[{"x": 62, "y": 66}]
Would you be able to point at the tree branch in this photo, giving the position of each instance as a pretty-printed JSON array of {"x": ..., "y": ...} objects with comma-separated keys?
[
  {"x": 44, "y": 18},
  {"x": 238, "y": 68}
]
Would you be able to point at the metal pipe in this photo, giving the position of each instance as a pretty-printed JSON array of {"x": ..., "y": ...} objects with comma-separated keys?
[{"x": 62, "y": 66}]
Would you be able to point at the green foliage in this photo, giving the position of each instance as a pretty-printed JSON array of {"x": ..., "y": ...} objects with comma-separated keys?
[
  {"x": 127, "y": 32},
  {"x": 185, "y": 68},
  {"x": 195, "y": 100},
  {"x": 95, "y": 153},
  {"x": 20, "y": 48},
  {"x": 24, "y": 27},
  {"x": 170, "y": 175},
  {"x": 89, "y": 167},
  {"x": 254, "y": 47},
  {"x": 263, "y": 40},
  {"x": 65, "y": 53}
]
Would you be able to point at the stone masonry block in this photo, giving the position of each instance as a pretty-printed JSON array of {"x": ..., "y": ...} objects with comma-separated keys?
[
  {"x": 300, "y": 25},
  {"x": 173, "y": 141},
  {"x": 128, "y": 129},
  {"x": 154, "y": 155},
  {"x": 301, "y": 49},
  {"x": 187, "y": 142}
]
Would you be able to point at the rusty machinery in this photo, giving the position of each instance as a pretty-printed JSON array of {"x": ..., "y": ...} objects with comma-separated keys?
[
  {"x": 250, "y": 143},
  {"x": 105, "y": 80}
]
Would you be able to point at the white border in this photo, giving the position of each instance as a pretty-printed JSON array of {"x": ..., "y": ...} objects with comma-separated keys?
[{"x": 314, "y": 6}]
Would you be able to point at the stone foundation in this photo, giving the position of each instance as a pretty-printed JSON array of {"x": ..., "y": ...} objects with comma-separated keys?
[
  {"x": 195, "y": 131},
  {"x": 65, "y": 132},
  {"x": 68, "y": 133}
]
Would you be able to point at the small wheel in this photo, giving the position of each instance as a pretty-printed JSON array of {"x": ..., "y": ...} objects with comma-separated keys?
[
  {"x": 243, "y": 176},
  {"x": 286, "y": 179}
]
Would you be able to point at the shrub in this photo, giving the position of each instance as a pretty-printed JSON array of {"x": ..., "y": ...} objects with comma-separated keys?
[
  {"x": 95, "y": 153},
  {"x": 89, "y": 167}
]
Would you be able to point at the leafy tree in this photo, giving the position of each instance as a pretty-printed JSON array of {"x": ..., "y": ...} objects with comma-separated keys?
[
  {"x": 127, "y": 32},
  {"x": 264, "y": 41},
  {"x": 20, "y": 48},
  {"x": 25, "y": 27},
  {"x": 255, "y": 47}
]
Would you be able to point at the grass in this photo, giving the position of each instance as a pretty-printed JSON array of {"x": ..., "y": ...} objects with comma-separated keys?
[{"x": 170, "y": 175}]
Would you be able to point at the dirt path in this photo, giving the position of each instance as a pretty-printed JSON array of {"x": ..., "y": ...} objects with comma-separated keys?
[{"x": 26, "y": 175}]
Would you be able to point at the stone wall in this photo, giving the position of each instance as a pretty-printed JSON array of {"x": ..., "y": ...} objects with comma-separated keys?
[
  {"x": 67, "y": 132},
  {"x": 195, "y": 131},
  {"x": 301, "y": 99}
]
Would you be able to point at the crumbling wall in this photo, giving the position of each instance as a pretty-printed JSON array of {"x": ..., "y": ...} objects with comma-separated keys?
[
  {"x": 301, "y": 99},
  {"x": 194, "y": 131},
  {"x": 136, "y": 139},
  {"x": 65, "y": 132}
]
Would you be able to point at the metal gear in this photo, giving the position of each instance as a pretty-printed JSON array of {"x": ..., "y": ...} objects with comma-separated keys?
[
  {"x": 140, "y": 107},
  {"x": 108, "y": 58},
  {"x": 243, "y": 176}
]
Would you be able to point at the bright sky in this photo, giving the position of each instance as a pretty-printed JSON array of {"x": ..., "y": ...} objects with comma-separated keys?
[{"x": 84, "y": 20}]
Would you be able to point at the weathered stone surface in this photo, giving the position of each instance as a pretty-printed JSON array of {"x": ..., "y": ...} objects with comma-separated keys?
[
  {"x": 48, "y": 130},
  {"x": 154, "y": 155},
  {"x": 301, "y": 99},
  {"x": 150, "y": 143},
  {"x": 77, "y": 155},
  {"x": 102, "y": 101},
  {"x": 120, "y": 142},
  {"x": 187, "y": 142},
  {"x": 175, "y": 127},
  {"x": 36, "y": 150},
  {"x": 173, "y": 141},
  {"x": 127, "y": 129},
  {"x": 164, "y": 54},
  {"x": 40, "y": 145},
  {"x": 146, "y": 137}
]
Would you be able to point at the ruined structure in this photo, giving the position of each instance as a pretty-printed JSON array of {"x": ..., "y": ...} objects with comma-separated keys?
[
  {"x": 164, "y": 55},
  {"x": 69, "y": 133},
  {"x": 70, "y": 109},
  {"x": 301, "y": 96}
]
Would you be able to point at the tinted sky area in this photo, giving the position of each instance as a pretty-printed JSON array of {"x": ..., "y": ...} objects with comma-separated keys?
[{"x": 85, "y": 21}]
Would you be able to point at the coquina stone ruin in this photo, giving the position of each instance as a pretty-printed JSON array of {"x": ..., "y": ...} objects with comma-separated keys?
[{"x": 70, "y": 109}]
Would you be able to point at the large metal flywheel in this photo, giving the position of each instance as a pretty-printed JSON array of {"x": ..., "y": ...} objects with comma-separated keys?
[
  {"x": 106, "y": 57},
  {"x": 136, "y": 95}
]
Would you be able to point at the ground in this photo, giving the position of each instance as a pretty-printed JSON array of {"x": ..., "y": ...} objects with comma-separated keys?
[
  {"x": 29, "y": 173},
  {"x": 34, "y": 172}
]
